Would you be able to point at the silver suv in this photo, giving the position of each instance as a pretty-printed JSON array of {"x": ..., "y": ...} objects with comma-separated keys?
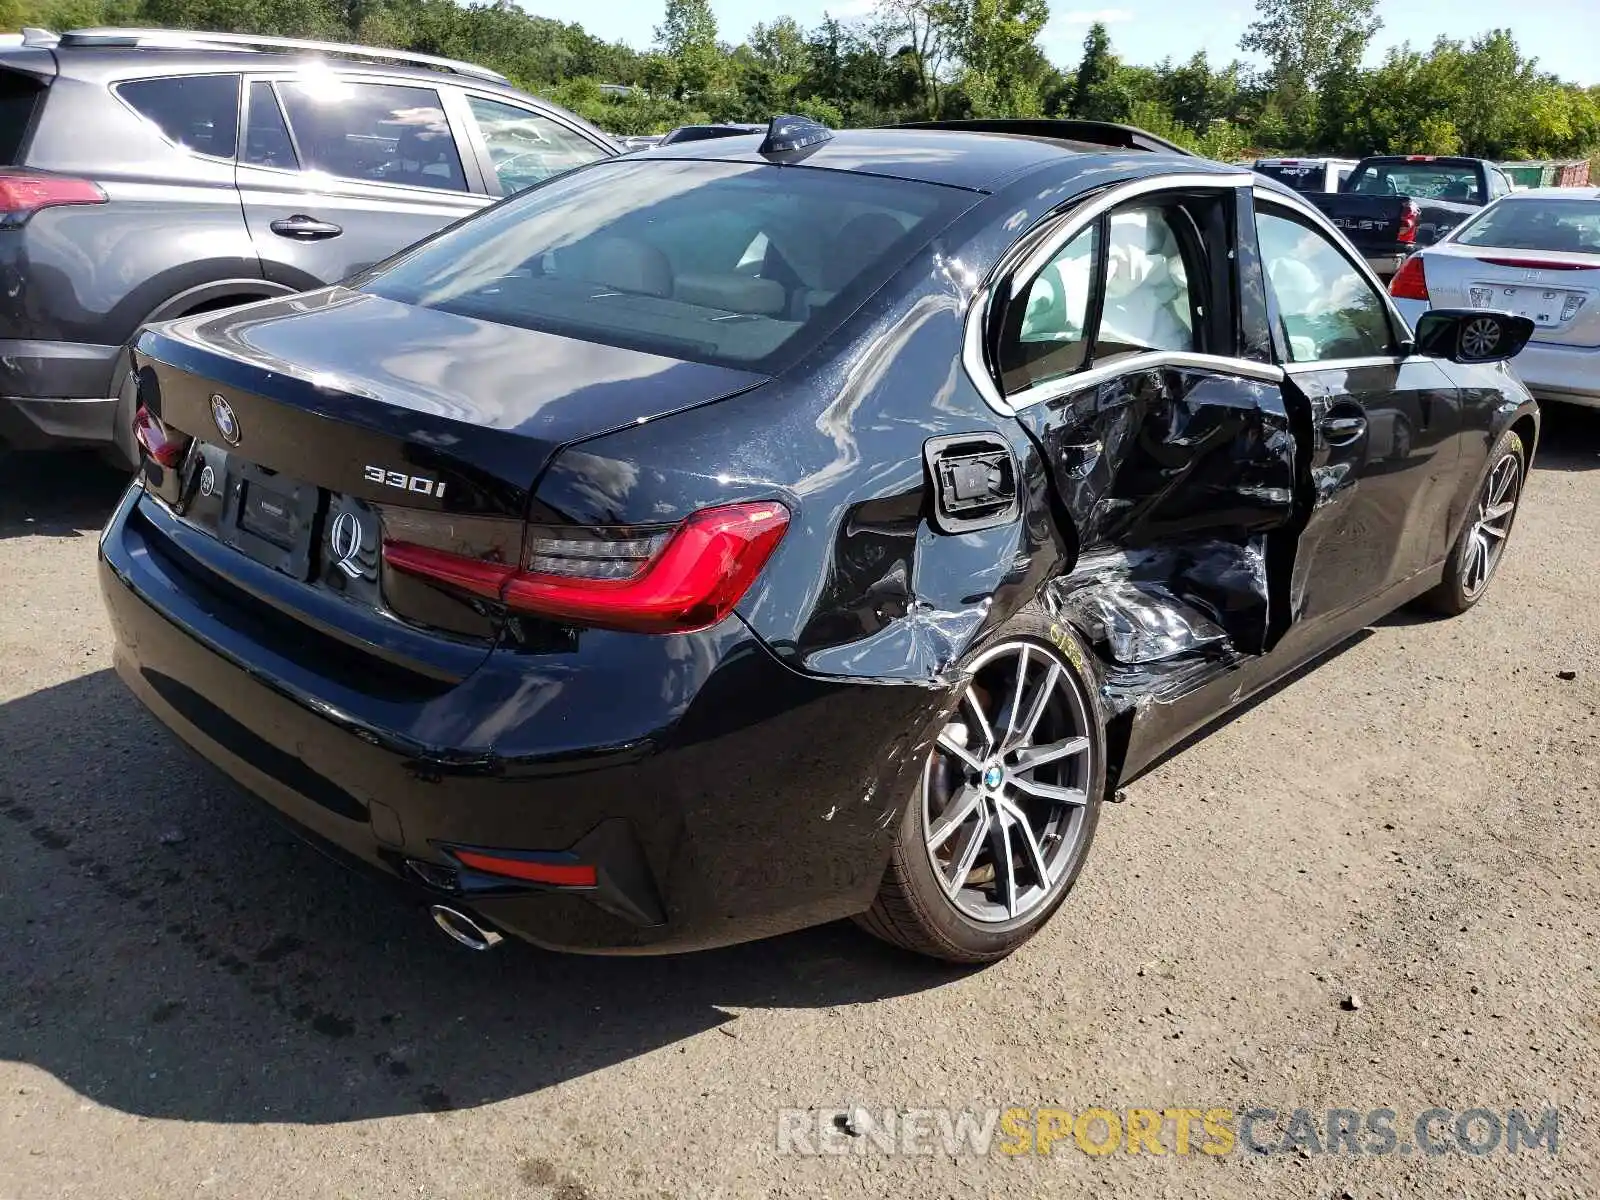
[{"x": 147, "y": 174}]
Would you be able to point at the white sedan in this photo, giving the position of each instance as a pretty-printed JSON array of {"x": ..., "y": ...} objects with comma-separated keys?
[{"x": 1536, "y": 253}]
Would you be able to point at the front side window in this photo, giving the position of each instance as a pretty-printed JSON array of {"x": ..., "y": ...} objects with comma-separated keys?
[
  {"x": 1326, "y": 308},
  {"x": 378, "y": 132},
  {"x": 197, "y": 112},
  {"x": 527, "y": 148},
  {"x": 731, "y": 263}
]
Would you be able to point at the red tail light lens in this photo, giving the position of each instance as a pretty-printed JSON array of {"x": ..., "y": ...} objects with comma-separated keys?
[
  {"x": 667, "y": 581},
  {"x": 23, "y": 193},
  {"x": 160, "y": 444},
  {"x": 1410, "y": 214},
  {"x": 1410, "y": 281}
]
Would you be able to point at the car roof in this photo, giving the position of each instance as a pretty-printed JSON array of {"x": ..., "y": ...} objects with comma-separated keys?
[
  {"x": 978, "y": 161},
  {"x": 1555, "y": 193}
]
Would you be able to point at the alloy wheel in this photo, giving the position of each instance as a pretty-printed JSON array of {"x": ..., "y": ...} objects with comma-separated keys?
[
  {"x": 1005, "y": 789},
  {"x": 1497, "y": 506},
  {"x": 1480, "y": 337}
]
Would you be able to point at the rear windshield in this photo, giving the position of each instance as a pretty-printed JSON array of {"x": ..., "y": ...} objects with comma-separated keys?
[
  {"x": 732, "y": 263},
  {"x": 1302, "y": 177},
  {"x": 1432, "y": 181},
  {"x": 1572, "y": 225},
  {"x": 18, "y": 95}
]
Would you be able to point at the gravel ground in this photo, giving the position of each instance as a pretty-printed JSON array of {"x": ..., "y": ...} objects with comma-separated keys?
[{"x": 1374, "y": 889}]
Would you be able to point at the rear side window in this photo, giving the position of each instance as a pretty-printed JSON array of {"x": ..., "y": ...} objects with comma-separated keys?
[
  {"x": 18, "y": 95},
  {"x": 732, "y": 263},
  {"x": 379, "y": 132},
  {"x": 196, "y": 112},
  {"x": 266, "y": 137}
]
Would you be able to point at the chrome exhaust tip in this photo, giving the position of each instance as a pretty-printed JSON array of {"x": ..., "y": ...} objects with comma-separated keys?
[{"x": 463, "y": 929}]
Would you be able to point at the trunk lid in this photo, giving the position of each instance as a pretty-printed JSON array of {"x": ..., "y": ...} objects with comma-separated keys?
[
  {"x": 1559, "y": 290},
  {"x": 1368, "y": 221},
  {"x": 327, "y": 423}
]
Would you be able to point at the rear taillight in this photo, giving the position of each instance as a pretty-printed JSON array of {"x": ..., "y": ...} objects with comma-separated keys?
[
  {"x": 159, "y": 443},
  {"x": 1410, "y": 214},
  {"x": 23, "y": 193},
  {"x": 1410, "y": 282},
  {"x": 644, "y": 581}
]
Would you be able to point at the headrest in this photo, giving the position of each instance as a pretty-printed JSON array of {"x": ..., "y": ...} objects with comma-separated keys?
[
  {"x": 733, "y": 293},
  {"x": 861, "y": 241},
  {"x": 628, "y": 265}
]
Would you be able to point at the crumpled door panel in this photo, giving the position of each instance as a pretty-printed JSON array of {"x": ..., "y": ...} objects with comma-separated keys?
[{"x": 1181, "y": 487}]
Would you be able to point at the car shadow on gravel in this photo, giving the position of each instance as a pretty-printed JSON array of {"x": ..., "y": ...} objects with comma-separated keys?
[
  {"x": 1569, "y": 438},
  {"x": 171, "y": 951},
  {"x": 63, "y": 494}
]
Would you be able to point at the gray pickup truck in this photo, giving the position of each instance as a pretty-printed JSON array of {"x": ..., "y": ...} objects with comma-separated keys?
[{"x": 1393, "y": 204}]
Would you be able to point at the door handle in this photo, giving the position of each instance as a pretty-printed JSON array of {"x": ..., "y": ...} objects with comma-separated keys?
[
  {"x": 304, "y": 229},
  {"x": 1342, "y": 430}
]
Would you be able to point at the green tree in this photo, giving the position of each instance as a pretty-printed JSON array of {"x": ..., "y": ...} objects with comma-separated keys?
[
  {"x": 1097, "y": 94},
  {"x": 996, "y": 41},
  {"x": 688, "y": 36},
  {"x": 1303, "y": 40},
  {"x": 928, "y": 30}
]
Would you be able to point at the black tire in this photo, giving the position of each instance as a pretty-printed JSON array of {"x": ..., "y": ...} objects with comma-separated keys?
[
  {"x": 122, "y": 453},
  {"x": 1455, "y": 593},
  {"x": 913, "y": 909}
]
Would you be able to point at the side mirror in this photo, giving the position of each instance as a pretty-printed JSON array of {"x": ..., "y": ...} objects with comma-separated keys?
[{"x": 1472, "y": 335}]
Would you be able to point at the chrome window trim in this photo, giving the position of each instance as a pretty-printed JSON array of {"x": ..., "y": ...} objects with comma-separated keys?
[
  {"x": 1350, "y": 364},
  {"x": 1148, "y": 360},
  {"x": 1072, "y": 224}
]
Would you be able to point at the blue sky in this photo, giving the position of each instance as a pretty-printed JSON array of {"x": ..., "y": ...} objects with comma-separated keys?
[{"x": 1563, "y": 34}]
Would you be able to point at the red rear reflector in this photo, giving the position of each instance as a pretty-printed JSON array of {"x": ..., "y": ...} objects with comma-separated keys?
[
  {"x": 159, "y": 444},
  {"x": 534, "y": 870},
  {"x": 703, "y": 568},
  {"x": 1410, "y": 281},
  {"x": 1540, "y": 264},
  {"x": 24, "y": 192},
  {"x": 1409, "y": 215}
]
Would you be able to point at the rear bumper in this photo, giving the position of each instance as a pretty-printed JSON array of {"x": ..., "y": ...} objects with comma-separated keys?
[
  {"x": 30, "y": 424},
  {"x": 764, "y": 803},
  {"x": 1569, "y": 374},
  {"x": 56, "y": 393},
  {"x": 1385, "y": 265}
]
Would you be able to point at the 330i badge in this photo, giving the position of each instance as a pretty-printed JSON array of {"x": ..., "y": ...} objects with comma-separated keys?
[{"x": 788, "y": 527}]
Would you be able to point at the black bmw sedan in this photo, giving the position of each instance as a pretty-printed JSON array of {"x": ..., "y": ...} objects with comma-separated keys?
[{"x": 786, "y": 527}]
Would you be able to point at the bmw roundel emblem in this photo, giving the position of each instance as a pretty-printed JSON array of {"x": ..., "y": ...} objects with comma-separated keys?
[{"x": 227, "y": 423}]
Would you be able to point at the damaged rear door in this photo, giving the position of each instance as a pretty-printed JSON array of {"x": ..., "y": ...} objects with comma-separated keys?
[{"x": 1175, "y": 459}]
